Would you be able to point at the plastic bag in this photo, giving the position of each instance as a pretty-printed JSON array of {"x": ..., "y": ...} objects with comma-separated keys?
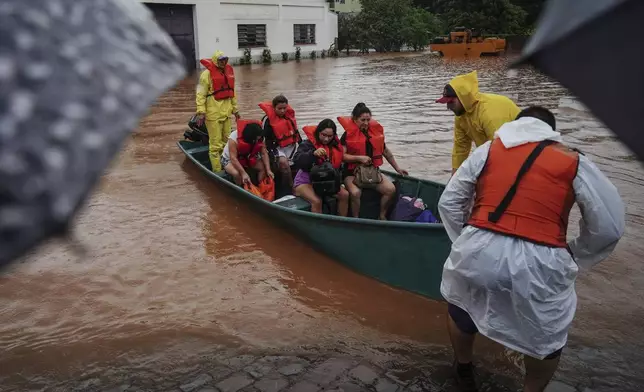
[
  {"x": 426, "y": 217},
  {"x": 267, "y": 189},
  {"x": 250, "y": 187},
  {"x": 406, "y": 210}
]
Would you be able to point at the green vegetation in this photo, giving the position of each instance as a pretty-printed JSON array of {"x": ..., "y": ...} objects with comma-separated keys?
[
  {"x": 267, "y": 56},
  {"x": 247, "y": 58},
  {"x": 488, "y": 16},
  {"x": 298, "y": 53},
  {"x": 284, "y": 56},
  {"x": 387, "y": 25}
]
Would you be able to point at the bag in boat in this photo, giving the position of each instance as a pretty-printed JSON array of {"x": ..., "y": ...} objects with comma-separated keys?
[
  {"x": 267, "y": 189},
  {"x": 325, "y": 179},
  {"x": 426, "y": 217},
  {"x": 196, "y": 133},
  {"x": 407, "y": 209},
  {"x": 250, "y": 187},
  {"x": 367, "y": 176}
]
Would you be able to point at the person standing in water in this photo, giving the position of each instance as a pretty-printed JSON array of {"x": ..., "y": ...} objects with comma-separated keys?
[
  {"x": 364, "y": 144},
  {"x": 478, "y": 115},
  {"x": 216, "y": 102},
  {"x": 511, "y": 273},
  {"x": 280, "y": 130}
]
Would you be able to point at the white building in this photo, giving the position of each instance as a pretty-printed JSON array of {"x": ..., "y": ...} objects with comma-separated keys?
[{"x": 200, "y": 27}]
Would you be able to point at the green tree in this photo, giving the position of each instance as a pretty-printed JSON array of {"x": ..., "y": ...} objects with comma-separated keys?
[
  {"x": 532, "y": 8},
  {"x": 489, "y": 16},
  {"x": 385, "y": 22},
  {"x": 387, "y": 26},
  {"x": 346, "y": 31},
  {"x": 419, "y": 28}
]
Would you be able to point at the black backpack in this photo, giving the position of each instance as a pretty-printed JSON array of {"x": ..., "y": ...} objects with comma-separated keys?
[{"x": 325, "y": 179}]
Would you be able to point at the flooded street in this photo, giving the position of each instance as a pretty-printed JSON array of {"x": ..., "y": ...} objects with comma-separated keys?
[{"x": 177, "y": 271}]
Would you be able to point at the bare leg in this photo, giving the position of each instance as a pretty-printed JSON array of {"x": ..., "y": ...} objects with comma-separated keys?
[
  {"x": 230, "y": 169},
  {"x": 306, "y": 192},
  {"x": 355, "y": 194},
  {"x": 285, "y": 171},
  {"x": 538, "y": 373},
  {"x": 343, "y": 202},
  {"x": 261, "y": 170},
  {"x": 387, "y": 189}
]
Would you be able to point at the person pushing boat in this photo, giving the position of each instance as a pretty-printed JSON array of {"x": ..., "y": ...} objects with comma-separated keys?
[
  {"x": 511, "y": 273},
  {"x": 478, "y": 115}
]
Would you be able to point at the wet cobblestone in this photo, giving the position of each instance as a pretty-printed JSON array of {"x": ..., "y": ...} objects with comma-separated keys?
[{"x": 294, "y": 373}]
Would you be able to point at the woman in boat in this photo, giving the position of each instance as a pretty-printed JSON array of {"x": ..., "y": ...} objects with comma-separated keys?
[
  {"x": 322, "y": 144},
  {"x": 280, "y": 129},
  {"x": 246, "y": 150},
  {"x": 364, "y": 144}
]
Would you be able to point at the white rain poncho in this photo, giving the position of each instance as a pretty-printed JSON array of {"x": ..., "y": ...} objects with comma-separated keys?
[{"x": 518, "y": 293}]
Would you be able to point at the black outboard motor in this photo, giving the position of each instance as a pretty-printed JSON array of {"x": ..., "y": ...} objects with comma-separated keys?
[{"x": 196, "y": 133}]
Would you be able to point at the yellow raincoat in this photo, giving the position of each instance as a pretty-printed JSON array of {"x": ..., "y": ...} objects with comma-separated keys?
[
  {"x": 218, "y": 114},
  {"x": 485, "y": 113}
]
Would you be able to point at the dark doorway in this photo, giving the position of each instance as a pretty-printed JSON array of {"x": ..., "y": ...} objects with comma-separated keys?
[{"x": 176, "y": 20}]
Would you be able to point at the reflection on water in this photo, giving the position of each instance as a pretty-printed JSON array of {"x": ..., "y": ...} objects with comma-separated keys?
[{"x": 177, "y": 267}]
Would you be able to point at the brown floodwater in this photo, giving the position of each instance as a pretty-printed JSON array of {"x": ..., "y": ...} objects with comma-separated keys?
[{"x": 176, "y": 269}]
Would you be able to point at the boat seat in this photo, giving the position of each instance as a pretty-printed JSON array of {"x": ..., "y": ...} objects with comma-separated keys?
[
  {"x": 200, "y": 153},
  {"x": 329, "y": 206},
  {"x": 296, "y": 203}
]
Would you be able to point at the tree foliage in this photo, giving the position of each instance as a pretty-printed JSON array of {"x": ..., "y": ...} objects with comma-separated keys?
[
  {"x": 490, "y": 16},
  {"x": 386, "y": 26},
  {"x": 389, "y": 25}
]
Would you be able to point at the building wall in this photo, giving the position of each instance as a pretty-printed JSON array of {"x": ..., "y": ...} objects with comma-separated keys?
[
  {"x": 216, "y": 24},
  {"x": 346, "y": 6}
]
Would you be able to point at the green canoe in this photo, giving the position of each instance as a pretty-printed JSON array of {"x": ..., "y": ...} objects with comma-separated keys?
[{"x": 405, "y": 255}]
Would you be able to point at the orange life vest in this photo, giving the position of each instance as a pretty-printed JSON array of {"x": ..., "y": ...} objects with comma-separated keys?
[
  {"x": 538, "y": 211},
  {"x": 356, "y": 141},
  {"x": 333, "y": 153},
  {"x": 223, "y": 82},
  {"x": 247, "y": 152},
  {"x": 284, "y": 128}
]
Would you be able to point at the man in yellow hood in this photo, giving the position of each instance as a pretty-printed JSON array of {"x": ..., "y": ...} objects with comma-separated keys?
[
  {"x": 478, "y": 115},
  {"x": 216, "y": 102}
]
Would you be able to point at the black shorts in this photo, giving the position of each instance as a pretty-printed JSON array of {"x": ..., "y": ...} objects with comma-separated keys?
[
  {"x": 462, "y": 320},
  {"x": 465, "y": 324},
  {"x": 346, "y": 173}
]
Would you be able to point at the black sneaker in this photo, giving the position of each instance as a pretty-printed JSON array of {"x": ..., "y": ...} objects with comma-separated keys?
[{"x": 465, "y": 377}]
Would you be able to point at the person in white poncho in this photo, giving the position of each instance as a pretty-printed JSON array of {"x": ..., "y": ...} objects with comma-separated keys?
[{"x": 511, "y": 273}]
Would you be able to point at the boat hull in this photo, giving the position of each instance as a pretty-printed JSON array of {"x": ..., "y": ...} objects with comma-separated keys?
[{"x": 404, "y": 255}]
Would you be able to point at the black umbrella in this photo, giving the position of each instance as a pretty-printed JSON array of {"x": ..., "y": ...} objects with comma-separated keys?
[
  {"x": 595, "y": 48},
  {"x": 75, "y": 77}
]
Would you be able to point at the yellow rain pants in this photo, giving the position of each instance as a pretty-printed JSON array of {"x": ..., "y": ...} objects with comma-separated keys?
[
  {"x": 484, "y": 115},
  {"x": 217, "y": 113}
]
